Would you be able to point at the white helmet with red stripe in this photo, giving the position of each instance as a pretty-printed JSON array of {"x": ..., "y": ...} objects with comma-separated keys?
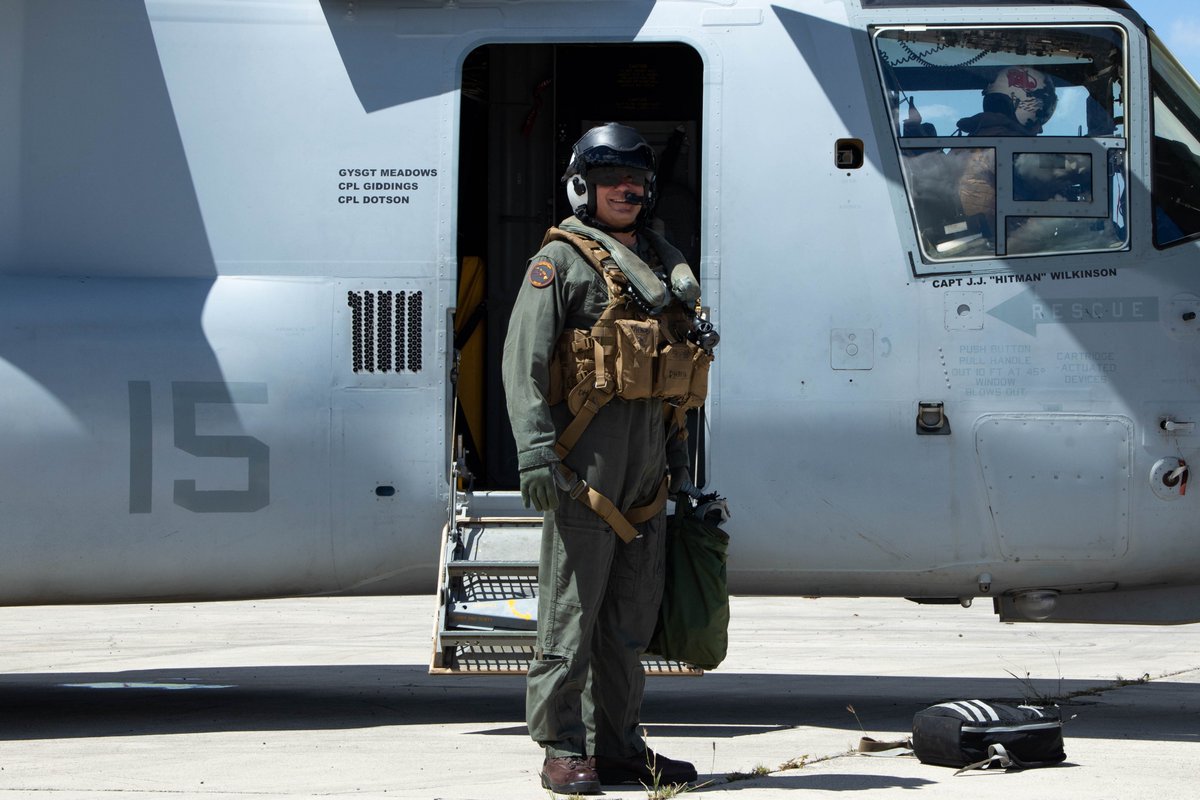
[{"x": 1030, "y": 92}]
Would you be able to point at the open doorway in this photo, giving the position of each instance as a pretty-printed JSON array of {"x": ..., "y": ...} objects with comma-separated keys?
[{"x": 523, "y": 106}]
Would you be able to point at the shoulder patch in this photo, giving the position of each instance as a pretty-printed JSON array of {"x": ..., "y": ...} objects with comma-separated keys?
[{"x": 541, "y": 274}]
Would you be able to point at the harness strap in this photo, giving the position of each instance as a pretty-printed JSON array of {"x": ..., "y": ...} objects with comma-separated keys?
[
  {"x": 647, "y": 512},
  {"x": 603, "y": 382},
  {"x": 590, "y": 249},
  {"x": 579, "y": 489},
  {"x": 604, "y": 508},
  {"x": 596, "y": 398},
  {"x": 675, "y": 418}
]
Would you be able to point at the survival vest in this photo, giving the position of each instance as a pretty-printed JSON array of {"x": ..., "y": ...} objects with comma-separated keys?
[{"x": 627, "y": 353}]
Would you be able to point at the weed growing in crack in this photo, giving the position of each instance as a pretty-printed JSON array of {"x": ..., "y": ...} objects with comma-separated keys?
[
  {"x": 850, "y": 708},
  {"x": 757, "y": 772}
]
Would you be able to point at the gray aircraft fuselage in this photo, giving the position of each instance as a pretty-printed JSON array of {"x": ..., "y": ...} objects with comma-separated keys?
[{"x": 234, "y": 238}]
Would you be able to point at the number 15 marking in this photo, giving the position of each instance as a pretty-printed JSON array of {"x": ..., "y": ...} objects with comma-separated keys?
[{"x": 185, "y": 396}]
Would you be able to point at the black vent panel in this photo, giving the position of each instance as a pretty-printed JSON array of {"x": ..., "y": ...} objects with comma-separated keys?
[{"x": 385, "y": 331}]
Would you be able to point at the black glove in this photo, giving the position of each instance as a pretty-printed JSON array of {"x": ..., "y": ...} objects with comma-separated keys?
[{"x": 681, "y": 483}]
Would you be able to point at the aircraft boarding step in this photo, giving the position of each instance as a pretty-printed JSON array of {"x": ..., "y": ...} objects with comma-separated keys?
[{"x": 486, "y": 619}]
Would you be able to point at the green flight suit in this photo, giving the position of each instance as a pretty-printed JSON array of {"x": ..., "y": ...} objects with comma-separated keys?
[{"x": 598, "y": 596}]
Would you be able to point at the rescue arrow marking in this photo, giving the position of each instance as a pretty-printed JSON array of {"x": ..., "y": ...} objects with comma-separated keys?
[{"x": 1027, "y": 310}]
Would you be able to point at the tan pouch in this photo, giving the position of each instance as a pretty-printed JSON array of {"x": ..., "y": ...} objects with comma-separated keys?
[
  {"x": 698, "y": 391},
  {"x": 574, "y": 361},
  {"x": 674, "y": 378},
  {"x": 637, "y": 344},
  {"x": 577, "y": 395},
  {"x": 581, "y": 359}
]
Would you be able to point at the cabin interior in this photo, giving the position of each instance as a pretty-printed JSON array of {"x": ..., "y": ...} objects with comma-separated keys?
[{"x": 523, "y": 106}]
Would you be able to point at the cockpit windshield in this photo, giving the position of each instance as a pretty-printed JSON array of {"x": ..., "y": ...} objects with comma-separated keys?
[{"x": 1012, "y": 138}]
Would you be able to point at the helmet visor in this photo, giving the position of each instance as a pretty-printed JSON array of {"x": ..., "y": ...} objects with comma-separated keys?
[
  {"x": 1045, "y": 101},
  {"x": 615, "y": 176}
]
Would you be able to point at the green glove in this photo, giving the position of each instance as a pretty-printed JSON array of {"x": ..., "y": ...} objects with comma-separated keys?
[{"x": 537, "y": 487}]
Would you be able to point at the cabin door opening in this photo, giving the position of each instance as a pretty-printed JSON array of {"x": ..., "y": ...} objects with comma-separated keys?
[{"x": 523, "y": 106}]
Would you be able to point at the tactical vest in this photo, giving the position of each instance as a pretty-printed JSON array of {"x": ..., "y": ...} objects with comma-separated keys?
[
  {"x": 640, "y": 356},
  {"x": 627, "y": 353}
]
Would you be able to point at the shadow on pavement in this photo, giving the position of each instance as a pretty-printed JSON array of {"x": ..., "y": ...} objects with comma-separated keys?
[{"x": 718, "y": 705}]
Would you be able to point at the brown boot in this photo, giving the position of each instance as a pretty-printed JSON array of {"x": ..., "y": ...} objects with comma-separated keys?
[
  {"x": 570, "y": 775},
  {"x": 647, "y": 768}
]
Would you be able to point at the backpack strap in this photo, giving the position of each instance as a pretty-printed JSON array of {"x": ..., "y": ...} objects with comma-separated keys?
[
  {"x": 996, "y": 755},
  {"x": 867, "y": 745}
]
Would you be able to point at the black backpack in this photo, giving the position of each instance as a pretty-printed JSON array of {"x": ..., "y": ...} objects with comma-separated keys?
[{"x": 974, "y": 734}]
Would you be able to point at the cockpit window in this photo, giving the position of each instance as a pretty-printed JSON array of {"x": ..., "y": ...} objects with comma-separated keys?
[
  {"x": 1012, "y": 139},
  {"x": 1176, "y": 178}
]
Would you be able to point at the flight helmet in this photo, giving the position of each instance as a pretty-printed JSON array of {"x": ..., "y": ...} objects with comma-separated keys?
[
  {"x": 598, "y": 153},
  {"x": 1030, "y": 93}
]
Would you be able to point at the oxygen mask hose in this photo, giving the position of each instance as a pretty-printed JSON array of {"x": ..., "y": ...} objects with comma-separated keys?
[
  {"x": 649, "y": 291},
  {"x": 684, "y": 284}
]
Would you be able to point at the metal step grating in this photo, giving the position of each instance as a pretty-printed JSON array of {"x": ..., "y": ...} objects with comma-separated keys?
[{"x": 486, "y": 617}]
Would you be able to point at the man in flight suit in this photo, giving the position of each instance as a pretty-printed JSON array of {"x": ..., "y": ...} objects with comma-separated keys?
[{"x": 598, "y": 595}]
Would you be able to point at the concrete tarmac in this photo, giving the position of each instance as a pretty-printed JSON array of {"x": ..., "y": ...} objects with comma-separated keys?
[{"x": 331, "y": 698}]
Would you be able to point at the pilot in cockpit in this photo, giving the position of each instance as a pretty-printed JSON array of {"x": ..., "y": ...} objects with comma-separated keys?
[{"x": 1018, "y": 102}]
